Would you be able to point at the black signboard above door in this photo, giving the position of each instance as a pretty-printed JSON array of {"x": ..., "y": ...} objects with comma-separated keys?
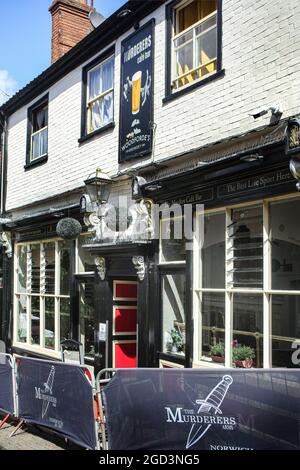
[{"x": 136, "y": 97}]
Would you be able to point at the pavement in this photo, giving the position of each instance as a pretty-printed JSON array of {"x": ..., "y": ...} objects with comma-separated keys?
[{"x": 32, "y": 438}]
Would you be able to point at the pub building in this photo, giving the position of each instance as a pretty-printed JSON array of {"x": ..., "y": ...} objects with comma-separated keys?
[{"x": 133, "y": 299}]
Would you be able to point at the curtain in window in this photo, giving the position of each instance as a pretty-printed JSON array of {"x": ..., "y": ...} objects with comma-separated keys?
[{"x": 94, "y": 84}]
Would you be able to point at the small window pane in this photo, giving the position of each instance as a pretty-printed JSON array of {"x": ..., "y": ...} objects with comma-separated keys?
[
  {"x": 44, "y": 142},
  {"x": 22, "y": 318},
  {"x": 194, "y": 12},
  {"x": 36, "y": 268},
  {"x": 50, "y": 268},
  {"x": 213, "y": 326},
  {"x": 22, "y": 269},
  {"x": 64, "y": 319},
  {"x": 64, "y": 249},
  {"x": 187, "y": 37},
  {"x": 49, "y": 323},
  {"x": 184, "y": 59},
  {"x": 35, "y": 146},
  {"x": 248, "y": 325},
  {"x": 213, "y": 252},
  {"x": 35, "y": 320},
  {"x": 94, "y": 83},
  {"x": 209, "y": 23},
  {"x": 246, "y": 241},
  {"x": 107, "y": 75},
  {"x": 86, "y": 262},
  {"x": 172, "y": 240},
  {"x": 173, "y": 313},
  {"x": 285, "y": 330},
  {"x": 285, "y": 226},
  {"x": 207, "y": 49},
  {"x": 87, "y": 318}
]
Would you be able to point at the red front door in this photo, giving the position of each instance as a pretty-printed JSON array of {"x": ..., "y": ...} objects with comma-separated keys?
[{"x": 124, "y": 339}]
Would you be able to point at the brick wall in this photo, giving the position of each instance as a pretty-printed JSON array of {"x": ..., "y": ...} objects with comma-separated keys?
[
  {"x": 70, "y": 24},
  {"x": 261, "y": 41}
]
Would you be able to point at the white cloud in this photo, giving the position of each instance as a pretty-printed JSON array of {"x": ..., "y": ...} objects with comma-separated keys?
[{"x": 8, "y": 86}]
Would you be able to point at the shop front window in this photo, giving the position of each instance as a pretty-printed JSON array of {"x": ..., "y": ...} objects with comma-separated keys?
[
  {"x": 173, "y": 313},
  {"x": 42, "y": 301},
  {"x": 248, "y": 289}
]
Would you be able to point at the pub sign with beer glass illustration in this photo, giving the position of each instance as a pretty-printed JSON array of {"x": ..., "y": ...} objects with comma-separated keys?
[{"x": 136, "y": 110}]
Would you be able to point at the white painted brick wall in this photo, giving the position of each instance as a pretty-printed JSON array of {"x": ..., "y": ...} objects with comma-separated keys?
[{"x": 261, "y": 41}]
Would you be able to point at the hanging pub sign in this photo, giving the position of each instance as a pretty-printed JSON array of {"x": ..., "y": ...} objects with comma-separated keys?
[{"x": 136, "y": 97}]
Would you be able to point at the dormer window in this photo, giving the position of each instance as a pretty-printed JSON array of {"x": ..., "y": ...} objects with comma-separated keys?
[{"x": 37, "y": 138}]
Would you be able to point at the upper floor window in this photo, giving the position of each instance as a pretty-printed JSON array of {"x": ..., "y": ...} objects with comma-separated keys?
[
  {"x": 195, "y": 41},
  {"x": 194, "y": 44},
  {"x": 100, "y": 95},
  {"x": 37, "y": 139}
]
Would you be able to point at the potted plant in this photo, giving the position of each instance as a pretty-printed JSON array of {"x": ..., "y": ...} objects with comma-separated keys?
[
  {"x": 176, "y": 341},
  {"x": 217, "y": 352},
  {"x": 243, "y": 356}
]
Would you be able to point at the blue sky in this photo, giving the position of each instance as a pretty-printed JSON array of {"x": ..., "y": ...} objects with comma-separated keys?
[{"x": 25, "y": 40}]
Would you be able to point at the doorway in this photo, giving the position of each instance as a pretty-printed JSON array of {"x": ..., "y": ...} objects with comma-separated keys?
[{"x": 124, "y": 324}]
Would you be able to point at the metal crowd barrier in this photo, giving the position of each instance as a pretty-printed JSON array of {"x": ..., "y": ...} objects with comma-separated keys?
[
  {"x": 8, "y": 398},
  {"x": 102, "y": 379},
  {"x": 52, "y": 401}
]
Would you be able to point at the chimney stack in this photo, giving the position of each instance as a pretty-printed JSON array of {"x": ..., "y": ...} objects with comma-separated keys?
[{"x": 70, "y": 24}]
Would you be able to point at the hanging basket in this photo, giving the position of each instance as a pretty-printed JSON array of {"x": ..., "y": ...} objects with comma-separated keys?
[{"x": 68, "y": 229}]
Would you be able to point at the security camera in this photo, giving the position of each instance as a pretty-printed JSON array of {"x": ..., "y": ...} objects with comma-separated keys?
[{"x": 275, "y": 110}]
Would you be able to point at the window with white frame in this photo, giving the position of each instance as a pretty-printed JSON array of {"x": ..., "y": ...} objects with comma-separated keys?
[
  {"x": 194, "y": 42},
  {"x": 100, "y": 95},
  {"x": 41, "y": 294},
  {"x": 173, "y": 284},
  {"x": 38, "y": 131},
  {"x": 248, "y": 288}
]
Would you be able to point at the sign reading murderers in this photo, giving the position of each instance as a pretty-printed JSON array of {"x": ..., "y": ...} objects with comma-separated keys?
[
  {"x": 59, "y": 396},
  {"x": 180, "y": 409},
  {"x": 6, "y": 384},
  {"x": 136, "y": 98}
]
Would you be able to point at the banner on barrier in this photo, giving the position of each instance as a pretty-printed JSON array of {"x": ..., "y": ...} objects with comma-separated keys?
[
  {"x": 159, "y": 409},
  {"x": 6, "y": 384},
  {"x": 57, "y": 395}
]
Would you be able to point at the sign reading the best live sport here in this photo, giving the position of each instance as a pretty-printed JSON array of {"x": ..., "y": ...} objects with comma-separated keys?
[{"x": 136, "y": 112}]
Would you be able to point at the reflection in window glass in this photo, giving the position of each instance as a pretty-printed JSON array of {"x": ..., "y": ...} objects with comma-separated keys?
[
  {"x": 22, "y": 318},
  {"x": 49, "y": 249},
  {"x": 213, "y": 323},
  {"x": 246, "y": 235},
  {"x": 285, "y": 230},
  {"x": 86, "y": 263},
  {"x": 213, "y": 252},
  {"x": 285, "y": 329},
  {"x": 64, "y": 249},
  {"x": 64, "y": 319},
  {"x": 172, "y": 240},
  {"x": 35, "y": 320},
  {"x": 248, "y": 324},
  {"x": 36, "y": 268},
  {"x": 49, "y": 323},
  {"x": 22, "y": 269},
  {"x": 173, "y": 313},
  {"x": 87, "y": 318}
]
